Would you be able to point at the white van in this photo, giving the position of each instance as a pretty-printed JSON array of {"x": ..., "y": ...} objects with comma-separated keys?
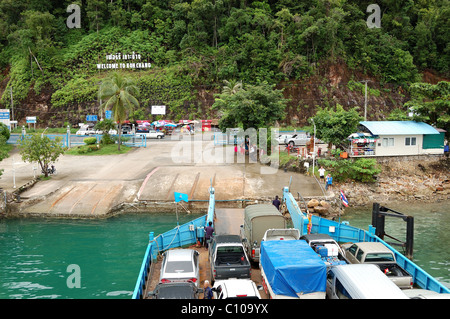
[{"x": 361, "y": 281}]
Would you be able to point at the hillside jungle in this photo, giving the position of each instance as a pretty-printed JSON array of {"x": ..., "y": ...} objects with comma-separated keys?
[{"x": 318, "y": 51}]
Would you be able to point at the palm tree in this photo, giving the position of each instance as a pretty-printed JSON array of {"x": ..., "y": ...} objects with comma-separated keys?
[
  {"x": 119, "y": 93},
  {"x": 231, "y": 87}
]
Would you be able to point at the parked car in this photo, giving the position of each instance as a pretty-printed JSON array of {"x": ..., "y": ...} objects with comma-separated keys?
[
  {"x": 176, "y": 290},
  {"x": 360, "y": 281},
  {"x": 151, "y": 134},
  {"x": 180, "y": 265},
  {"x": 235, "y": 288},
  {"x": 297, "y": 139},
  {"x": 282, "y": 137},
  {"x": 378, "y": 254},
  {"x": 85, "y": 130}
]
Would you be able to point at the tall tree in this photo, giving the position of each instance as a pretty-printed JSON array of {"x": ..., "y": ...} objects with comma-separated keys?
[
  {"x": 41, "y": 149},
  {"x": 334, "y": 126},
  {"x": 118, "y": 93},
  {"x": 253, "y": 107}
]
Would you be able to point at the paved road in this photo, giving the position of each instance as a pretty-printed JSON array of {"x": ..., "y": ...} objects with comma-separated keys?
[{"x": 92, "y": 185}]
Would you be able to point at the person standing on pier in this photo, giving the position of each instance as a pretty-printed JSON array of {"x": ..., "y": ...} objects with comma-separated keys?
[
  {"x": 276, "y": 202},
  {"x": 207, "y": 292},
  {"x": 209, "y": 230}
]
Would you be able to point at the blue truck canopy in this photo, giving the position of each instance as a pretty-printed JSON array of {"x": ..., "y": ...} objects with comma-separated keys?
[{"x": 292, "y": 267}]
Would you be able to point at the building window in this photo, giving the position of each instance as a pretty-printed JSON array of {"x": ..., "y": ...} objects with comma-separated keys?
[
  {"x": 388, "y": 141},
  {"x": 410, "y": 141}
]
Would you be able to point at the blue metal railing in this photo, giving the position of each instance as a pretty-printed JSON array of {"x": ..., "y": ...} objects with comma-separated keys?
[
  {"x": 75, "y": 140},
  {"x": 343, "y": 232}
]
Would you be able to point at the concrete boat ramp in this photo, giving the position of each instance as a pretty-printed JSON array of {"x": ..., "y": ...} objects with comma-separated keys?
[{"x": 99, "y": 186}]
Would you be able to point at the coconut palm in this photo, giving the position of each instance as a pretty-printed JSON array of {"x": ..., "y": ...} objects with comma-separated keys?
[
  {"x": 231, "y": 87},
  {"x": 118, "y": 93}
]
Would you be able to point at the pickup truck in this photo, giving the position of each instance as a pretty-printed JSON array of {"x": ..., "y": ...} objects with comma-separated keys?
[
  {"x": 227, "y": 258},
  {"x": 235, "y": 289},
  {"x": 292, "y": 270},
  {"x": 327, "y": 248},
  {"x": 378, "y": 254},
  {"x": 281, "y": 234}
]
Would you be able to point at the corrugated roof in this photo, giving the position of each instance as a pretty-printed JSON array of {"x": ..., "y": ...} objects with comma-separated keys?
[{"x": 398, "y": 127}]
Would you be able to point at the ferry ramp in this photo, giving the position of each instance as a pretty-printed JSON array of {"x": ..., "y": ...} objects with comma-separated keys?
[{"x": 228, "y": 221}]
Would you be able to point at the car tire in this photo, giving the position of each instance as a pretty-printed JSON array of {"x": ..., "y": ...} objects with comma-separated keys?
[
  {"x": 158, "y": 137},
  {"x": 291, "y": 143}
]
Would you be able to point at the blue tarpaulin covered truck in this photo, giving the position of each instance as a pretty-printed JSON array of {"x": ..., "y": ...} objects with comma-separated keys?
[{"x": 291, "y": 269}]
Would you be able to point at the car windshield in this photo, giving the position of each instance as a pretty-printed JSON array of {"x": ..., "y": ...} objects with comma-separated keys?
[
  {"x": 179, "y": 267},
  {"x": 377, "y": 257}
]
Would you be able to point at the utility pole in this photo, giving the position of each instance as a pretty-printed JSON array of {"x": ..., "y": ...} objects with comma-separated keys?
[
  {"x": 12, "y": 103},
  {"x": 365, "y": 100}
]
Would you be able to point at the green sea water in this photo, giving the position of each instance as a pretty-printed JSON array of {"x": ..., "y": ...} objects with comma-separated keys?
[{"x": 36, "y": 254}]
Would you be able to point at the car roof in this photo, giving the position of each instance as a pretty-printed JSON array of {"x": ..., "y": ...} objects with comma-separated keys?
[
  {"x": 238, "y": 287},
  {"x": 367, "y": 281},
  {"x": 373, "y": 246},
  {"x": 179, "y": 254}
]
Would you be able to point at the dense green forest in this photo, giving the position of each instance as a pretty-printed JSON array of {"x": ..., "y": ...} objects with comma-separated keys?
[{"x": 319, "y": 51}]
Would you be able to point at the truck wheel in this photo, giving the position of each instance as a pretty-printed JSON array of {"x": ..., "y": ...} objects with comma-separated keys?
[{"x": 159, "y": 137}]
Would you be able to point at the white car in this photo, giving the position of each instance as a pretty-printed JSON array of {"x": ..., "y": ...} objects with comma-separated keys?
[
  {"x": 152, "y": 134},
  {"x": 180, "y": 265},
  {"x": 282, "y": 137},
  {"x": 85, "y": 130},
  {"x": 235, "y": 288}
]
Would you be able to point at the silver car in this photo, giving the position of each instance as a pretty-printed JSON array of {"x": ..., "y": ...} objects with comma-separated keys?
[{"x": 180, "y": 265}]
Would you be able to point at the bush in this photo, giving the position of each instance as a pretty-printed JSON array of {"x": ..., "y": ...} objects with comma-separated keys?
[
  {"x": 360, "y": 169},
  {"x": 107, "y": 139},
  {"x": 87, "y": 149},
  {"x": 90, "y": 140}
]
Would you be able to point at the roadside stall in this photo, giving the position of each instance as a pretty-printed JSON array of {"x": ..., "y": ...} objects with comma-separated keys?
[{"x": 362, "y": 144}]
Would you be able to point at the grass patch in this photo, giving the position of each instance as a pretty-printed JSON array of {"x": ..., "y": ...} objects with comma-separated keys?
[{"x": 92, "y": 150}]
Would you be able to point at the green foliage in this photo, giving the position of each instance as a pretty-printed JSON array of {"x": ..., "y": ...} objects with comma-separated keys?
[
  {"x": 87, "y": 149},
  {"x": 360, "y": 169},
  {"x": 202, "y": 41},
  {"x": 334, "y": 126},
  {"x": 4, "y": 131},
  {"x": 252, "y": 107},
  {"x": 90, "y": 140},
  {"x": 119, "y": 94},
  {"x": 43, "y": 150},
  {"x": 430, "y": 103}
]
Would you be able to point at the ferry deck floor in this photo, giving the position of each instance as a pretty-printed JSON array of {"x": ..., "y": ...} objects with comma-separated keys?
[{"x": 227, "y": 221}]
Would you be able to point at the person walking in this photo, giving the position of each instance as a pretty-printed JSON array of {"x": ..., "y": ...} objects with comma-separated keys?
[
  {"x": 209, "y": 230},
  {"x": 321, "y": 172},
  {"x": 329, "y": 182},
  {"x": 276, "y": 202}
]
